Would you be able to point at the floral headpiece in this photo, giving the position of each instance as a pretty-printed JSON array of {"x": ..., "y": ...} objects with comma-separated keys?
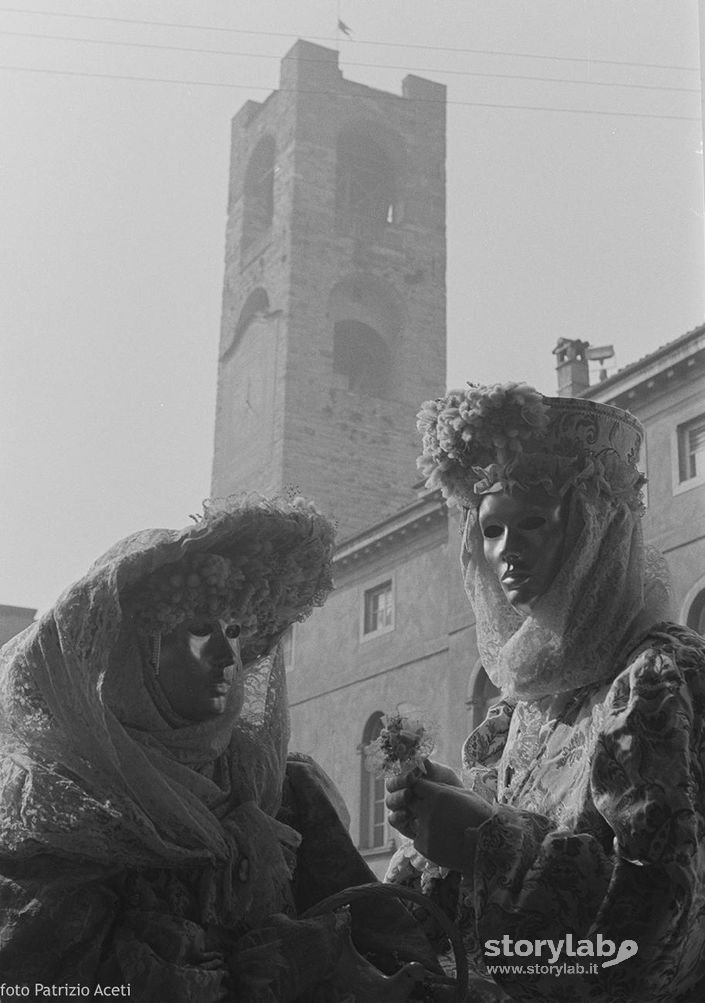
[
  {"x": 262, "y": 563},
  {"x": 490, "y": 438}
]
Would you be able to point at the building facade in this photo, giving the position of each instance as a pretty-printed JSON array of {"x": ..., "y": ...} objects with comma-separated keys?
[
  {"x": 666, "y": 392},
  {"x": 396, "y": 635}
]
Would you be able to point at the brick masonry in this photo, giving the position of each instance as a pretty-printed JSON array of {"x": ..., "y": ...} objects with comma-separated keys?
[{"x": 284, "y": 416}]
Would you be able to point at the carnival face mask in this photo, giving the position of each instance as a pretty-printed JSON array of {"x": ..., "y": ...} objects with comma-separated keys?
[
  {"x": 200, "y": 669},
  {"x": 522, "y": 536}
]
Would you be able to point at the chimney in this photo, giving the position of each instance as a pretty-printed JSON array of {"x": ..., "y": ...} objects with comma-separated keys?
[{"x": 572, "y": 371}]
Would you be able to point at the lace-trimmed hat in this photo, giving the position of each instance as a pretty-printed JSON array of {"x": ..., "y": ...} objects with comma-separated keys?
[
  {"x": 491, "y": 438},
  {"x": 264, "y": 563}
]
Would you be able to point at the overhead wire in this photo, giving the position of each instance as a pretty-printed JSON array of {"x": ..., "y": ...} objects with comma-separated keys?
[
  {"x": 343, "y": 94},
  {"x": 235, "y": 86},
  {"x": 414, "y": 69},
  {"x": 352, "y": 41}
]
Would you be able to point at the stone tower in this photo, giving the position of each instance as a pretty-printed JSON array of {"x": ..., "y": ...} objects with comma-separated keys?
[{"x": 333, "y": 324}]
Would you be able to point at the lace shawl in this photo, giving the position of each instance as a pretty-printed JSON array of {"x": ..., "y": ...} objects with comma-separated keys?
[
  {"x": 91, "y": 769},
  {"x": 608, "y": 589}
]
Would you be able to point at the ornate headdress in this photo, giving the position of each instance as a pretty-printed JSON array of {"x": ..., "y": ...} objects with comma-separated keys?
[
  {"x": 490, "y": 438},
  {"x": 264, "y": 563}
]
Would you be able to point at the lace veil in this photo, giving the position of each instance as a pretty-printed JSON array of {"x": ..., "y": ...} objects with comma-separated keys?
[{"x": 93, "y": 764}]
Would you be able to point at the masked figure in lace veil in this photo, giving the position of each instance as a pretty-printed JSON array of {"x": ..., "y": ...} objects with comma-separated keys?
[
  {"x": 584, "y": 802},
  {"x": 140, "y": 842}
]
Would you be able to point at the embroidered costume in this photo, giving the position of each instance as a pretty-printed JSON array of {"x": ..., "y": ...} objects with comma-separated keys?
[{"x": 594, "y": 758}]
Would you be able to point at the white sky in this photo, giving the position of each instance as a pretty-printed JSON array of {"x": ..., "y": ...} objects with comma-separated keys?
[{"x": 579, "y": 214}]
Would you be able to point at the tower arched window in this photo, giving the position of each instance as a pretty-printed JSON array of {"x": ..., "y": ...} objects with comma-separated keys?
[
  {"x": 373, "y": 825},
  {"x": 258, "y": 195},
  {"x": 361, "y": 355},
  {"x": 256, "y": 304},
  {"x": 255, "y": 308},
  {"x": 366, "y": 185}
]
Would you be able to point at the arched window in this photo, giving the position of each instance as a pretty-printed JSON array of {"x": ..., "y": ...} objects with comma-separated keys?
[
  {"x": 696, "y": 613},
  {"x": 361, "y": 354},
  {"x": 258, "y": 200},
  {"x": 255, "y": 308},
  {"x": 366, "y": 185},
  {"x": 256, "y": 304},
  {"x": 373, "y": 825}
]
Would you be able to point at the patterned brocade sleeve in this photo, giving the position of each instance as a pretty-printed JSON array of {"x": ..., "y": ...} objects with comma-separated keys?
[{"x": 532, "y": 882}]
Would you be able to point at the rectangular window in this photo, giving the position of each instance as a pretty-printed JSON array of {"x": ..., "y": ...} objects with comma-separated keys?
[
  {"x": 378, "y": 615},
  {"x": 691, "y": 450},
  {"x": 378, "y": 814},
  {"x": 373, "y": 813},
  {"x": 374, "y": 832}
]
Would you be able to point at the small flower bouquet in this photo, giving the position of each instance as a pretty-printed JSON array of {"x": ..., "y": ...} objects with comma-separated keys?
[{"x": 402, "y": 746}]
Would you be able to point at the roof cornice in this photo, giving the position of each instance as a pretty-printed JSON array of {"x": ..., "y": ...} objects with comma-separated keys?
[
  {"x": 655, "y": 372},
  {"x": 427, "y": 512}
]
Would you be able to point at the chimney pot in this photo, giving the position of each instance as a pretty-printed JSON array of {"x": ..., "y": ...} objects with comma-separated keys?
[{"x": 573, "y": 374}]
